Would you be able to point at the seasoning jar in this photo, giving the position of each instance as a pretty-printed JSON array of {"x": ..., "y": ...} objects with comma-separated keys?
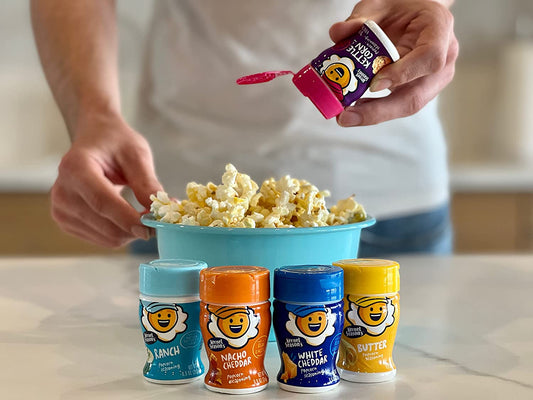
[
  {"x": 372, "y": 310},
  {"x": 169, "y": 309},
  {"x": 308, "y": 319},
  {"x": 342, "y": 73},
  {"x": 235, "y": 323}
]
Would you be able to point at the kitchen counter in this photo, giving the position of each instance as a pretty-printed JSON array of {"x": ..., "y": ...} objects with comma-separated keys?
[{"x": 69, "y": 330}]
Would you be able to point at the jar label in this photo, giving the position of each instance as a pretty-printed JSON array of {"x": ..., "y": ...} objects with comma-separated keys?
[
  {"x": 308, "y": 341},
  {"x": 369, "y": 332},
  {"x": 173, "y": 340},
  {"x": 349, "y": 66},
  {"x": 235, "y": 338}
]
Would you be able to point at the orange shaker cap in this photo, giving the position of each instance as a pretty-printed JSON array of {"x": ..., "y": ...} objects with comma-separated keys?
[{"x": 234, "y": 285}]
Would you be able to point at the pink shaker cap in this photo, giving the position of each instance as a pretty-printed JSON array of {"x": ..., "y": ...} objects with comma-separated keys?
[{"x": 309, "y": 82}]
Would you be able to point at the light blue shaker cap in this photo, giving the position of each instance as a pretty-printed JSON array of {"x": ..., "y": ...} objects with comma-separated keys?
[{"x": 170, "y": 277}]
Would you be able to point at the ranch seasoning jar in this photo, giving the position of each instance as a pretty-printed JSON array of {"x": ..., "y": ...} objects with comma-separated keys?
[
  {"x": 169, "y": 309},
  {"x": 372, "y": 310},
  {"x": 235, "y": 323},
  {"x": 342, "y": 73},
  {"x": 308, "y": 323}
]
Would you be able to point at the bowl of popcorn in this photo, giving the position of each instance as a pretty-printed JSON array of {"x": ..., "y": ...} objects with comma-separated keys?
[{"x": 282, "y": 222}]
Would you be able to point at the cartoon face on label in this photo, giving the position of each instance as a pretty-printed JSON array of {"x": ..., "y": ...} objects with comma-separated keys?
[
  {"x": 235, "y": 324},
  {"x": 338, "y": 73},
  {"x": 166, "y": 320},
  {"x": 311, "y": 323},
  {"x": 163, "y": 320},
  {"x": 375, "y": 314}
]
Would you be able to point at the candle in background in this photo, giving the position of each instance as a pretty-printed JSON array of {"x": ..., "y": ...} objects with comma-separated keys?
[{"x": 514, "y": 143}]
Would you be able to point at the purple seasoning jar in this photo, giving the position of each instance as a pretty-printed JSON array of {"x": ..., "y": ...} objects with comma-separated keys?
[{"x": 342, "y": 73}]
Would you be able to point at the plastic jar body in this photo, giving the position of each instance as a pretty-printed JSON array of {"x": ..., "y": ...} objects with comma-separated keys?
[
  {"x": 365, "y": 353},
  {"x": 371, "y": 320},
  {"x": 235, "y": 323},
  {"x": 308, "y": 320},
  {"x": 235, "y": 339},
  {"x": 308, "y": 339},
  {"x": 172, "y": 336},
  {"x": 169, "y": 309}
]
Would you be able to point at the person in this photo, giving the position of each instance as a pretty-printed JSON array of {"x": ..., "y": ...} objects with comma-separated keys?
[{"x": 194, "y": 119}]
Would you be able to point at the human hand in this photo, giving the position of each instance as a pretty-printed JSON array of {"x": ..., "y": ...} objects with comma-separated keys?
[
  {"x": 422, "y": 31},
  {"x": 106, "y": 155}
]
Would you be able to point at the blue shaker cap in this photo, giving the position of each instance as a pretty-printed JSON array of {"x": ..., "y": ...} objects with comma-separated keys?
[
  {"x": 309, "y": 284},
  {"x": 170, "y": 277}
]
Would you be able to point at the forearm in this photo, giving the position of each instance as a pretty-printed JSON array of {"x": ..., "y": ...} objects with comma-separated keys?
[{"x": 77, "y": 44}]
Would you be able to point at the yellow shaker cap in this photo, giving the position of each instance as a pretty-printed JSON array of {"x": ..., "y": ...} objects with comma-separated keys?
[{"x": 366, "y": 276}]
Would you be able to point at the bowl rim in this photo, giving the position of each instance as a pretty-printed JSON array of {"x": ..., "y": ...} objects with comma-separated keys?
[{"x": 149, "y": 220}]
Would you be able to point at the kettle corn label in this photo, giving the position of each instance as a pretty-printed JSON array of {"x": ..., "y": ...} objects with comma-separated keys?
[
  {"x": 369, "y": 332},
  {"x": 349, "y": 66}
]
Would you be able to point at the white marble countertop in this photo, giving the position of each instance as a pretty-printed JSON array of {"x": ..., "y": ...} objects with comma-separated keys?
[{"x": 69, "y": 330}]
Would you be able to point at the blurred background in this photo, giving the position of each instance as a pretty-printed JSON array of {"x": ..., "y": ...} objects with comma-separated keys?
[{"x": 487, "y": 112}]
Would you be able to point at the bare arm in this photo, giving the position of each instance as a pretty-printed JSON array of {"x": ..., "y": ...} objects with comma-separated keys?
[{"x": 77, "y": 44}]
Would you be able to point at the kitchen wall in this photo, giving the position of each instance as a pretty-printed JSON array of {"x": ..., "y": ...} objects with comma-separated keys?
[
  {"x": 487, "y": 110},
  {"x": 32, "y": 129},
  {"x": 485, "y": 107}
]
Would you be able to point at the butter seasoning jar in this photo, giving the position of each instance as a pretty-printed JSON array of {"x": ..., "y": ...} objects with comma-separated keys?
[
  {"x": 235, "y": 323},
  {"x": 372, "y": 312},
  {"x": 308, "y": 320},
  {"x": 169, "y": 309}
]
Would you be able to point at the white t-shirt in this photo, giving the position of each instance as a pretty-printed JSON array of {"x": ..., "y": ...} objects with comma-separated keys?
[{"x": 198, "y": 119}]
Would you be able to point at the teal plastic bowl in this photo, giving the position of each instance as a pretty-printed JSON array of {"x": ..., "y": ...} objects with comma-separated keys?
[{"x": 265, "y": 247}]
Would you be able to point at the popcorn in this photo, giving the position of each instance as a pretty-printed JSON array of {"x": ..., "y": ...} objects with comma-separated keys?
[{"x": 240, "y": 202}]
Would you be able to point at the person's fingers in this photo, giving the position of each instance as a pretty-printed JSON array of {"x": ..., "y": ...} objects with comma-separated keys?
[
  {"x": 73, "y": 215},
  {"x": 69, "y": 208},
  {"x": 429, "y": 39},
  {"x": 139, "y": 172},
  {"x": 345, "y": 29},
  {"x": 100, "y": 194},
  {"x": 402, "y": 102},
  {"x": 106, "y": 235}
]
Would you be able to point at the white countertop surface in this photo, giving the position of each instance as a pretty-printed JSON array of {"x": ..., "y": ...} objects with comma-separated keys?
[{"x": 69, "y": 330}]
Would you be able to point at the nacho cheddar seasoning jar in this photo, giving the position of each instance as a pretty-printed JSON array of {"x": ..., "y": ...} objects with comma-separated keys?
[
  {"x": 235, "y": 323},
  {"x": 308, "y": 320},
  {"x": 342, "y": 73},
  {"x": 372, "y": 312},
  {"x": 169, "y": 309}
]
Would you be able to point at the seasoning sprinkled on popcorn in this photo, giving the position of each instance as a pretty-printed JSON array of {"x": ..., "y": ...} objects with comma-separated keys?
[{"x": 240, "y": 202}]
